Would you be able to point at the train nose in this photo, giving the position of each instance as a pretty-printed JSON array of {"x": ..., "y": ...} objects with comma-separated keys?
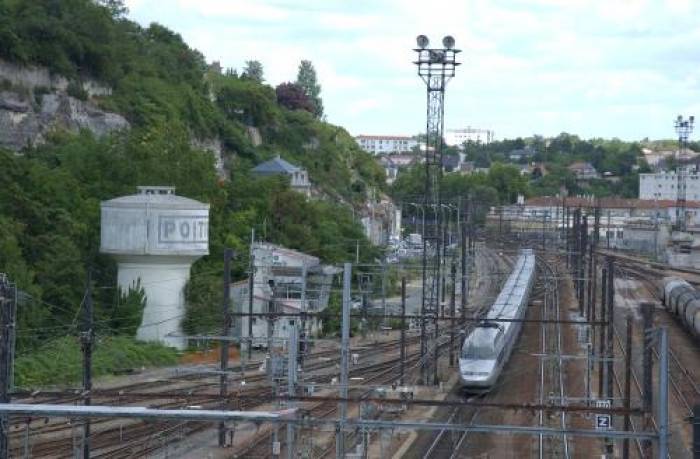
[{"x": 476, "y": 371}]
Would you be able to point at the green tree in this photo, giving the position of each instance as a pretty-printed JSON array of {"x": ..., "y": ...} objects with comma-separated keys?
[
  {"x": 116, "y": 7},
  {"x": 306, "y": 79},
  {"x": 508, "y": 181},
  {"x": 253, "y": 70},
  {"x": 127, "y": 314}
]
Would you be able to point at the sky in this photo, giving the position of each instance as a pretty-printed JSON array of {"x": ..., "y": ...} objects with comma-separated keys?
[{"x": 596, "y": 68}]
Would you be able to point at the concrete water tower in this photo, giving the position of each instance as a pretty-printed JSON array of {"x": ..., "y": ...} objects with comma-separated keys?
[{"x": 155, "y": 237}]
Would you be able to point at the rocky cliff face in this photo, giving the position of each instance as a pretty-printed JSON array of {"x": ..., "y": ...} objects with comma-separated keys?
[{"x": 34, "y": 103}]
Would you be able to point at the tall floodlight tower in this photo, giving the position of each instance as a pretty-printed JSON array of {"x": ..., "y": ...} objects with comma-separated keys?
[
  {"x": 683, "y": 128},
  {"x": 436, "y": 66},
  {"x": 155, "y": 236}
]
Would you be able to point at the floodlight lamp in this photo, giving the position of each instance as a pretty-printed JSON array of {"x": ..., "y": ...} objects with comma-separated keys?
[
  {"x": 692, "y": 119},
  {"x": 448, "y": 42},
  {"x": 680, "y": 118},
  {"x": 422, "y": 41}
]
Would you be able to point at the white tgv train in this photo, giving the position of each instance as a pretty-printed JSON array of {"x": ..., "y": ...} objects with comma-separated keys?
[{"x": 488, "y": 346}]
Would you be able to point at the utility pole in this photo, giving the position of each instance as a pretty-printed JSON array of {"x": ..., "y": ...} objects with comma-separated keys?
[
  {"x": 611, "y": 325},
  {"x": 567, "y": 237},
  {"x": 463, "y": 300},
  {"x": 344, "y": 351},
  {"x": 628, "y": 385},
  {"x": 303, "y": 332},
  {"x": 590, "y": 280},
  {"x": 580, "y": 254},
  {"x": 610, "y": 336},
  {"x": 544, "y": 224},
  {"x": 647, "y": 383},
  {"x": 596, "y": 224},
  {"x": 403, "y": 330},
  {"x": 291, "y": 387},
  {"x": 6, "y": 303},
  {"x": 226, "y": 331},
  {"x": 586, "y": 265},
  {"x": 662, "y": 408},
  {"x": 601, "y": 343},
  {"x": 86, "y": 340},
  {"x": 452, "y": 315},
  {"x": 436, "y": 350},
  {"x": 696, "y": 431},
  {"x": 384, "y": 291},
  {"x": 251, "y": 288}
]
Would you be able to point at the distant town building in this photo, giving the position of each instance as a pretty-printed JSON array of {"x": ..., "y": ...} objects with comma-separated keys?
[
  {"x": 584, "y": 171},
  {"x": 657, "y": 159},
  {"x": 392, "y": 164},
  {"x": 386, "y": 144},
  {"x": 625, "y": 224},
  {"x": 456, "y": 137},
  {"x": 664, "y": 185},
  {"x": 467, "y": 167},
  {"x": 619, "y": 209},
  {"x": 451, "y": 163},
  {"x": 299, "y": 178},
  {"x": 285, "y": 281},
  {"x": 517, "y": 155}
]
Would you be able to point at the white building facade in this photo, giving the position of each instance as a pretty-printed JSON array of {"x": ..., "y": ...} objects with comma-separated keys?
[
  {"x": 664, "y": 186},
  {"x": 285, "y": 281},
  {"x": 456, "y": 137},
  {"x": 386, "y": 144}
]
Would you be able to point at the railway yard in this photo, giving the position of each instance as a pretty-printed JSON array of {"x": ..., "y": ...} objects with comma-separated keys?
[
  {"x": 550, "y": 384},
  {"x": 550, "y": 366}
]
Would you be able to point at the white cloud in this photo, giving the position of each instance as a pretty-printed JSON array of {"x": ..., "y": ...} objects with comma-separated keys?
[
  {"x": 596, "y": 67},
  {"x": 363, "y": 105},
  {"x": 236, "y": 9}
]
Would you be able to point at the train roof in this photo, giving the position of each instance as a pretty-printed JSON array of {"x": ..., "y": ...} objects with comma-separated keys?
[{"x": 515, "y": 288}]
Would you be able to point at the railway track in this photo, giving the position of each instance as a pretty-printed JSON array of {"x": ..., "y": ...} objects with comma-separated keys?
[
  {"x": 448, "y": 443},
  {"x": 445, "y": 440},
  {"x": 683, "y": 386},
  {"x": 120, "y": 439},
  {"x": 110, "y": 438},
  {"x": 551, "y": 337},
  {"x": 381, "y": 373}
]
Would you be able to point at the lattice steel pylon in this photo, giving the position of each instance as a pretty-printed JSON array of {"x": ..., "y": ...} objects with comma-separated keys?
[
  {"x": 436, "y": 66},
  {"x": 683, "y": 128}
]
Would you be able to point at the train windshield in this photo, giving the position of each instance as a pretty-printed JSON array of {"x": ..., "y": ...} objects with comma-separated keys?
[
  {"x": 481, "y": 343},
  {"x": 478, "y": 351}
]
